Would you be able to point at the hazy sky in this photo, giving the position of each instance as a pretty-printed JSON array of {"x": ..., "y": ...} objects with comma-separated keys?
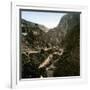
[{"x": 49, "y": 19}]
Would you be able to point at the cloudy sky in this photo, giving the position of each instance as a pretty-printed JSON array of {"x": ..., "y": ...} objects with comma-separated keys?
[{"x": 49, "y": 19}]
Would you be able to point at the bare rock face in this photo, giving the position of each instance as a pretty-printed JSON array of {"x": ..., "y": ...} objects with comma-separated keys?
[
  {"x": 69, "y": 63},
  {"x": 51, "y": 53}
]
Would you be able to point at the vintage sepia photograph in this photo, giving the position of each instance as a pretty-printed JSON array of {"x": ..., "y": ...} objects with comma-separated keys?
[{"x": 49, "y": 44}]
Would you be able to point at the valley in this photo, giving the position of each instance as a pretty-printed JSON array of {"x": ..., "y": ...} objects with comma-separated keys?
[{"x": 51, "y": 52}]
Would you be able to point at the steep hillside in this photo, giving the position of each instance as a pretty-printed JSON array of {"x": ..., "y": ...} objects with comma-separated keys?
[
  {"x": 69, "y": 63},
  {"x": 51, "y": 53}
]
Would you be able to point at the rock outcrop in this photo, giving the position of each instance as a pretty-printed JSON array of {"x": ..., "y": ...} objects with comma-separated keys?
[{"x": 62, "y": 43}]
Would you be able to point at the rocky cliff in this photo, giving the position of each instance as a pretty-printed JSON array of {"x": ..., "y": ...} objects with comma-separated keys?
[{"x": 57, "y": 49}]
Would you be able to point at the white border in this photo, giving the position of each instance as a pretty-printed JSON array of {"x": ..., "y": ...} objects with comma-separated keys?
[{"x": 15, "y": 82}]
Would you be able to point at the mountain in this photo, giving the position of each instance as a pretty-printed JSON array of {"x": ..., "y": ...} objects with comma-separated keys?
[
  {"x": 33, "y": 34},
  {"x": 58, "y": 48},
  {"x": 68, "y": 21},
  {"x": 69, "y": 63},
  {"x": 57, "y": 35},
  {"x": 42, "y": 27},
  {"x": 28, "y": 26}
]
